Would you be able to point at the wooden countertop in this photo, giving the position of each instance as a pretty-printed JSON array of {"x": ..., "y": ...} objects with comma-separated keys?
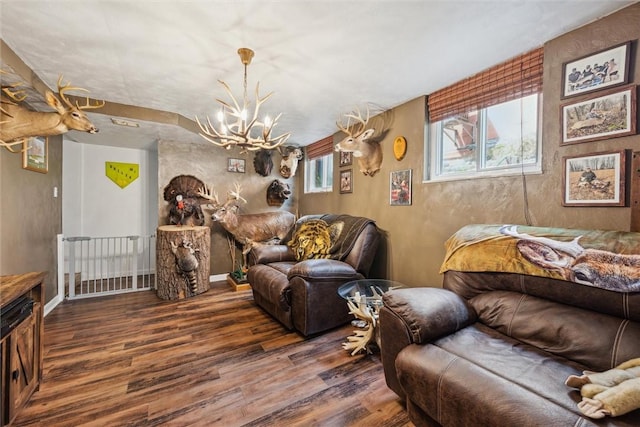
[{"x": 15, "y": 285}]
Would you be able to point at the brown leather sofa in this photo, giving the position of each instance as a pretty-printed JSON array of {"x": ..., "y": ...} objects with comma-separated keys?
[
  {"x": 494, "y": 348},
  {"x": 302, "y": 295}
]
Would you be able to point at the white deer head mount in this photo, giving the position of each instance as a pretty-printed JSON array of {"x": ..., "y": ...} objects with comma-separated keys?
[{"x": 358, "y": 141}]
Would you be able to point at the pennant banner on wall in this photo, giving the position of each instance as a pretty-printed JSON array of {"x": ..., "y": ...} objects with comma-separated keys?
[{"x": 122, "y": 174}]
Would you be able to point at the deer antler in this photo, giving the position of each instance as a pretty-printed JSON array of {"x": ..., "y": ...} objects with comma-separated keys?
[
  {"x": 8, "y": 145},
  {"x": 235, "y": 195},
  {"x": 62, "y": 89},
  {"x": 18, "y": 95},
  {"x": 362, "y": 338},
  {"x": 359, "y": 125},
  {"x": 205, "y": 193}
]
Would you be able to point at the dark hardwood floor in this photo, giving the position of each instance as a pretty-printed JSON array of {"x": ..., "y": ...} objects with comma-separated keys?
[{"x": 212, "y": 360}]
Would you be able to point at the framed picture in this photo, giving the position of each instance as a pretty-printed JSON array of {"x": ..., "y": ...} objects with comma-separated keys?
[
  {"x": 607, "y": 116},
  {"x": 35, "y": 154},
  {"x": 400, "y": 188},
  {"x": 346, "y": 181},
  {"x": 606, "y": 68},
  {"x": 236, "y": 165},
  {"x": 597, "y": 179},
  {"x": 346, "y": 158}
]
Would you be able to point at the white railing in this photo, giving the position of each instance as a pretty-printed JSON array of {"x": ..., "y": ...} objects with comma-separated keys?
[{"x": 97, "y": 266}]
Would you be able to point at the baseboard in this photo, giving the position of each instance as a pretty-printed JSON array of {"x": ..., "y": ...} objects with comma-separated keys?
[
  {"x": 48, "y": 308},
  {"x": 218, "y": 277}
]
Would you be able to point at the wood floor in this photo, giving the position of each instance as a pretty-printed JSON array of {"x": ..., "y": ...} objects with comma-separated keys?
[{"x": 212, "y": 360}]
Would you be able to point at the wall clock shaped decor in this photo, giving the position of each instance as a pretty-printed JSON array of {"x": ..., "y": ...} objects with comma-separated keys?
[{"x": 399, "y": 147}]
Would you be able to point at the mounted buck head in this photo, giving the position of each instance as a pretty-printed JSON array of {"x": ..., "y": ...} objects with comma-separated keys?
[
  {"x": 368, "y": 152},
  {"x": 24, "y": 123},
  {"x": 592, "y": 267}
]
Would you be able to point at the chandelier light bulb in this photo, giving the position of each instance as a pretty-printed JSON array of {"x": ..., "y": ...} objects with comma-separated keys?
[{"x": 267, "y": 122}]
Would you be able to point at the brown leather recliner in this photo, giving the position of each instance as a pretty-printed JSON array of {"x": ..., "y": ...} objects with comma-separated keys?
[{"x": 302, "y": 295}]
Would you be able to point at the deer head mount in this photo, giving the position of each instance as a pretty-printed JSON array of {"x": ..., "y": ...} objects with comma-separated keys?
[
  {"x": 20, "y": 123},
  {"x": 358, "y": 141}
]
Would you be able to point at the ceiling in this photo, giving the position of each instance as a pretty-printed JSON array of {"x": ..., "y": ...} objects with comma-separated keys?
[{"x": 320, "y": 58}]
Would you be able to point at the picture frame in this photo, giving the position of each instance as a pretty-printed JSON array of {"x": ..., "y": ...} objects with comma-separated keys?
[
  {"x": 596, "y": 179},
  {"x": 346, "y": 181},
  {"x": 596, "y": 71},
  {"x": 610, "y": 115},
  {"x": 400, "y": 188},
  {"x": 35, "y": 154},
  {"x": 346, "y": 158},
  {"x": 236, "y": 165}
]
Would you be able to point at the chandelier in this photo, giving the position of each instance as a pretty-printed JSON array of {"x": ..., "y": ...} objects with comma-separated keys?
[{"x": 235, "y": 126}]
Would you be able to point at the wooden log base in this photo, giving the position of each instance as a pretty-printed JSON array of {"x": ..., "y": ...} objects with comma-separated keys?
[
  {"x": 182, "y": 261},
  {"x": 238, "y": 286}
]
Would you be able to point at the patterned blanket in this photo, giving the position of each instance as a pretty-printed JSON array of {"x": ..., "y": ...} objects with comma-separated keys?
[
  {"x": 604, "y": 259},
  {"x": 326, "y": 236}
]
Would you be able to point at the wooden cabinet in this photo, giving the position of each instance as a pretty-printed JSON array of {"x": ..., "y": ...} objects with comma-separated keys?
[{"x": 21, "y": 349}]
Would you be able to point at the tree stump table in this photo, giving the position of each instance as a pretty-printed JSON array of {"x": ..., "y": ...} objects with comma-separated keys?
[{"x": 182, "y": 261}]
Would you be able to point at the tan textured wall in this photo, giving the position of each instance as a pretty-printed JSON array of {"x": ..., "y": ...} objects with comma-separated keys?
[
  {"x": 415, "y": 235},
  {"x": 31, "y": 217},
  {"x": 209, "y": 164}
]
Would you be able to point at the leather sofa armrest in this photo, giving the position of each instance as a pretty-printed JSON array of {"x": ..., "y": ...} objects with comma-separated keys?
[
  {"x": 265, "y": 254},
  {"x": 429, "y": 313},
  {"x": 322, "y": 269},
  {"x": 417, "y": 316}
]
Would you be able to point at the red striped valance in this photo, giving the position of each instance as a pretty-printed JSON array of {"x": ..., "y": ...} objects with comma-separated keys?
[
  {"x": 513, "y": 79},
  {"x": 320, "y": 148}
]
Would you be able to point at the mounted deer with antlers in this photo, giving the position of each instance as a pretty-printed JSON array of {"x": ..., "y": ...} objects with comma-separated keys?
[
  {"x": 19, "y": 123},
  {"x": 367, "y": 151},
  {"x": 248, "y": 229}
]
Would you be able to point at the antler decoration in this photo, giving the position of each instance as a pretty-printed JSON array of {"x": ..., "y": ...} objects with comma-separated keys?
[
  {"x": 239, "y": 133},
  {"x": 358, "y": 127},
  {"x": 233, "y": 195},
  {"x": 62, "y": 89},
  {"x": 17, "y": 96},
  {"x": 360, "y": 341}
]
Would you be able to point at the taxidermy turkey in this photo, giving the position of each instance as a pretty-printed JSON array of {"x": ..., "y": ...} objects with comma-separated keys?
[{"x": 182, "y": 194}]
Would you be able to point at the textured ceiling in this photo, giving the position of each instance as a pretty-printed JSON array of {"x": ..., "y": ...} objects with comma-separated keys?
[{"x": 320, "y": 58}]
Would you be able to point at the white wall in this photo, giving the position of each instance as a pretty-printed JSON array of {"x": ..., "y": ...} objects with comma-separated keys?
[{"x": 94, "y": 206}]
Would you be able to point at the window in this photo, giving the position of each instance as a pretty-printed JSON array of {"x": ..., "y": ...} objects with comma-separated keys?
[
  {"x": 487, "y": 124},
  {"x": 499, "y": 139},
  {"x": 319, "y": 174},
  {"x": 318, "y": 170}
]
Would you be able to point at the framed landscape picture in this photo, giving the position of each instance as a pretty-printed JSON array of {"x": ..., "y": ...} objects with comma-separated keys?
[
  {"x": 400, "y": 188},
  {"x": 607, "y": 116},
  {"x": 606, "y": 68},
  {"x": 35, "y": 154},
  {"x": 597, "y": 179}
]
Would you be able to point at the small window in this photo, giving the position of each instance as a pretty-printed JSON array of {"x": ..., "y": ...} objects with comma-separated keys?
[
  {"x": 500, "y": 139},
  {"x": 318, "y": 175}
]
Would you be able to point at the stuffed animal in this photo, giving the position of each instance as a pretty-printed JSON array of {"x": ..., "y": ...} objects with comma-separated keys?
[{"x": 613, "y": 392}]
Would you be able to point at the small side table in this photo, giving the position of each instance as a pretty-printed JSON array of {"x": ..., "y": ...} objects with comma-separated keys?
[{"x": 364, "y": 299}]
